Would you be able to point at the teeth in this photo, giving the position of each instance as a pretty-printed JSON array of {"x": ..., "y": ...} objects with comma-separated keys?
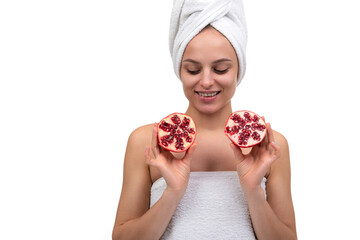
[{"x": 208, "y": 94}]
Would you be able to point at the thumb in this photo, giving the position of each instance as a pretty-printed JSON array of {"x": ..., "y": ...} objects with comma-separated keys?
[{"x": 237, "y": 151}]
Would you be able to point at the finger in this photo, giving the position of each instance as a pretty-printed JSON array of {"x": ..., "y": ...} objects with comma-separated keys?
[
  {"x": 255, "y": 150},
  {"x": 147, "y": 156},
  {"x": 237, "y": 151},
  {"x": 191, "y": 149},
  {"x": 154, "y": 142},
  {"x": 276, "y": 148},
  {"x": 189, "y": 153}
]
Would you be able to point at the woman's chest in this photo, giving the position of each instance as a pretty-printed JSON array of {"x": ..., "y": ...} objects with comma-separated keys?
[{"x": 212, "y": 153}]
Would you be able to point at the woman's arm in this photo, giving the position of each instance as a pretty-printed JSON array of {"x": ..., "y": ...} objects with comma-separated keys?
[
  {"x": 134, "y": 219},
  {"x": 273, "y": 217}
]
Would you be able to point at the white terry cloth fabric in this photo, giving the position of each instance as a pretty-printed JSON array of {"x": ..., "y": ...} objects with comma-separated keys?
[
  {"x": 213, "y": 207},
  {"x": 189, "y": 17}
]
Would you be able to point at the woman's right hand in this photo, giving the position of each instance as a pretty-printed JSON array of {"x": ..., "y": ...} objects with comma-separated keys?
[{"x": 176, "y": 172}]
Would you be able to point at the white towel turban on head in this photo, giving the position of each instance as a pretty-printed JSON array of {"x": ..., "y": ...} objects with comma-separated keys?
[{"x": 189, "y": 17}]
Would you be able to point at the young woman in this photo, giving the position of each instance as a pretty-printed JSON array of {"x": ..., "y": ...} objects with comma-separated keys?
[{"x": 215, "y": 190}]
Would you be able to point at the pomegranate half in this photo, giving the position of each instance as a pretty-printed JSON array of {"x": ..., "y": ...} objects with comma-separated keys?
[
  {"x": 176, "y": 132},
  {"x": 245, "y": 128}
]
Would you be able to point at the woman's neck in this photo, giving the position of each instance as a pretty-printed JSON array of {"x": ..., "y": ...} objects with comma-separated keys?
[{"x": 210, "y": 121}]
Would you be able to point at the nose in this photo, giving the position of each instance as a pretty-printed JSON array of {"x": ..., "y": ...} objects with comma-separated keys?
[{"x": 206, "y": 80}]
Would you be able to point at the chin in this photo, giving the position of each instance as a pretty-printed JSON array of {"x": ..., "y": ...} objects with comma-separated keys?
[{"x": 210, "y": 109}]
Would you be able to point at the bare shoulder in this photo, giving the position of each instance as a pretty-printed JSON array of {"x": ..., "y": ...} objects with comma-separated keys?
[
  {"x": 134, "y": 162},
  {"x": 281, "y": 140},
  {"x": 283, "y": 163},
  {"x": 135, "y": 150},
  {"x": 141, "y": 135},
  {"x": 134, "y": 199}
]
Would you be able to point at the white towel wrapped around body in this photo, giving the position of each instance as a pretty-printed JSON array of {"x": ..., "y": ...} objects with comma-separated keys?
[
  {"x": 213, "y": 207},
  {"x": 189, "y": 17}
]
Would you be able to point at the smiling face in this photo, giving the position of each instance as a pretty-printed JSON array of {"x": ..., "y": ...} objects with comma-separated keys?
[{"x": 209, "y": 71}]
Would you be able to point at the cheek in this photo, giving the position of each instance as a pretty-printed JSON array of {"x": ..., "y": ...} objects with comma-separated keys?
[
  {"x": 187, "y": 84},
  {"x": 188, "y": 81},
  {"x": 233, "y": 79},
  {"x": 188, "y": 89},
  {"x": 229, "y": 81}
]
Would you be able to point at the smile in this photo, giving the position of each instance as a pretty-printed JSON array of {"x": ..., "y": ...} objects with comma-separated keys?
[{"x": 207, "y": 94}]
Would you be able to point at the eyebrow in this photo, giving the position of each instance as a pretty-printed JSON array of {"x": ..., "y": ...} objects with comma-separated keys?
[{"x": 217, "y": 61}]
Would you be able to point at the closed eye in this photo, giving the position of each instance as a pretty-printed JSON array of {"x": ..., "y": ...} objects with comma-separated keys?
[
  {"x": 193, "y": 72},
  {"x": 215, "y": 70},
  {"x": 221, "y": 71}
]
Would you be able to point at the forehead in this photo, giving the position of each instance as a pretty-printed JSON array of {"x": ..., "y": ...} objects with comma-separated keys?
[{"x": 209, "y": 43}]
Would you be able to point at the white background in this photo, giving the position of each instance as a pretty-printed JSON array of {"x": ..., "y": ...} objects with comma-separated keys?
[{"x": 77, "y": 77}]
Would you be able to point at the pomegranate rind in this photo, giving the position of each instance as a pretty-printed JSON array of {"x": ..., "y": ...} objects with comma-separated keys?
[
  {"x": 171, "y": 147},
  {"x": 234, "y": 137}
]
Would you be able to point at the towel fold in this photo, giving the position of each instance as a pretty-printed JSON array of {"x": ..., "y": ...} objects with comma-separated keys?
[{"x": 189, "y": 17}]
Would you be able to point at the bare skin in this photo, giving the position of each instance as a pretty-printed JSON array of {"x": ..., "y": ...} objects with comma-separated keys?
[{"x": 272, "y": 218}]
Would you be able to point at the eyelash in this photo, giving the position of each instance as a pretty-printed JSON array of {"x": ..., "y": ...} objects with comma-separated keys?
[
  {"x": 217, "y": 71},
  {"x": 193, "y": 72},
  {"x": 221, "y": 71}
]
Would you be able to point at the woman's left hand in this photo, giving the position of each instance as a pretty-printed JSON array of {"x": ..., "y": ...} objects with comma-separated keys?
[{"x": 252, "y": 167}]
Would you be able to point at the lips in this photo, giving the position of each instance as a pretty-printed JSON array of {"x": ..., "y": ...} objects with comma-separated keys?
[{"x": 208, "y": 93}]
